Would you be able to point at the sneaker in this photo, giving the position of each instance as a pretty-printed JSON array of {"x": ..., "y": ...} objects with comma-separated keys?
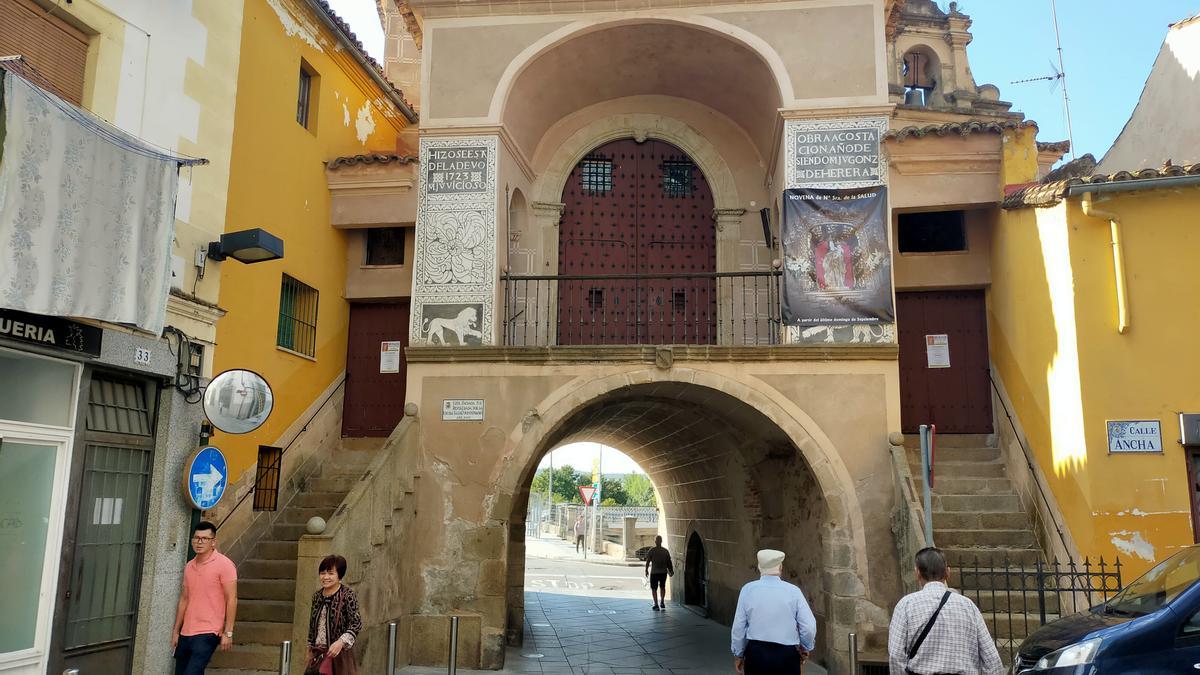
[
  {"x": 654, "y": 607},
  {"x": 663, "y": 607}
]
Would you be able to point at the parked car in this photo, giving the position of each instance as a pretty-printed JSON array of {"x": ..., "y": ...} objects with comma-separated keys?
[{"x": 1151, "y": 627}]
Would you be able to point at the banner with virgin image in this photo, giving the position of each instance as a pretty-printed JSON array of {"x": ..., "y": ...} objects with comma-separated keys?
[{"x": 837, "y": 265}]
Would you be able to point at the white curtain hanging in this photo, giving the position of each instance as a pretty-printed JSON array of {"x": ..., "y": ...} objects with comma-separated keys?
[{"x": 87, "y": 214}]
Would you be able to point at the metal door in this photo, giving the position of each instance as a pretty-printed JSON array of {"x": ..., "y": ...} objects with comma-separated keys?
[
  {"x": 638, "y": 220},
  {"x": 957, "y": 399},
  {"x": 374, "y": 400},
  {"x": 97, "y": 614}
]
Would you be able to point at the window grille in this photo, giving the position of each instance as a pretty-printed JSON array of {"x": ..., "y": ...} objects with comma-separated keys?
[
  {"x": 266, "y": 480},
  {"x": 595, "y": 175},
  {"x": 119, "y": 407},
  {"x": 595, "y": 299},
  {"x": 677, "y": 179},
  {"x": 297, "y": 317},
  {"x": 385, "y": 246}
]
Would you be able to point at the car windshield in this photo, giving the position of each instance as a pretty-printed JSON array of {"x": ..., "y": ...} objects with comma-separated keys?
[{"x": 1159, "y": 586}]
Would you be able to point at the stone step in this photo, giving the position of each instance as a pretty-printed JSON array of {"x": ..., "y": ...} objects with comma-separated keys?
[
  {"x": 977, "y": 503},
  {"x": 265, "y": 610},
  {"x": 971, "y": 486},
  {"x": 301, "y": 514},
  {"x": 258, "y": 568},
  {"x": 288, "y": 532},
  {"x": 948, "y": 454},
  {"x": 312, "y": 498},
  {"x": 248, "y": 656},
  {"x": 1014, "y": 626},
  {"x": 270, "y": 549},
  {"x": 262, "y": 632},
  {"x": 1022, "y": 538},
  {"x": 913, "y": 440},
  {"x": 943, "y": 470},
  {"x": 1017, "y": 601},
  {"x": 970, "y": 520},
  {"x": 966, "y": 557},
  {"x": 266, "y": 589},
  {"x": 339, "y": 484}
]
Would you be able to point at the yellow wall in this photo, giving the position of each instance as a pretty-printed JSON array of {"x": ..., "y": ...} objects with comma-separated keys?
[
  {"x": 278, "y": 183},
  {"x": 1052, "y": 316}
]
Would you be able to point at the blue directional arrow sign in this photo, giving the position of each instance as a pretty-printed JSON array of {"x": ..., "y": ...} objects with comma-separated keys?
[{"x": 206, "y": 477}]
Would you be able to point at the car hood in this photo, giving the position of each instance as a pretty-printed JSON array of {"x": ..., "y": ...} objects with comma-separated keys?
[{"x": 1068, "y": 630}]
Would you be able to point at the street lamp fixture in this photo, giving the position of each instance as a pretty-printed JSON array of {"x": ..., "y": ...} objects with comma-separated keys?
[{"x": 247, "y": 246}]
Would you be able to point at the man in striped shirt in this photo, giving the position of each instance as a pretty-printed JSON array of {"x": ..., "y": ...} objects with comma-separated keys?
[{"x": 955, "y": 642}]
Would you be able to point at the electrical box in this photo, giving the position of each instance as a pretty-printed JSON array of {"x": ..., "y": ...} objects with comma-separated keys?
[{"x": 1189, "y": 429}]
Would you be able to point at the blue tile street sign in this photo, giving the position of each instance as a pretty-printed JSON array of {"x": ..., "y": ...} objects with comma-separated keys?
[{"x": 206, "y": 478}]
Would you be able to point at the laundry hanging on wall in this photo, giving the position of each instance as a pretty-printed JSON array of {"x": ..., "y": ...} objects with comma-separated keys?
[
  {"x": 837, "y": 266},
  {"x": 87, "y": 213}
]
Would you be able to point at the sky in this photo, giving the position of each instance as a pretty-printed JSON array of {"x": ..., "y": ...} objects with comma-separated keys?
[
  {"x": 580, "y": 455},
  {"x": 1108, "y": 49}
]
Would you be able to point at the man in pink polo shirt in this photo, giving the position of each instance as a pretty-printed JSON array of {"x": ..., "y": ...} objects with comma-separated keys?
[{"x": 207, "y": 604}]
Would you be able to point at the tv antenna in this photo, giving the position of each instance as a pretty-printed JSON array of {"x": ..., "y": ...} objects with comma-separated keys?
[{"x": 1060, "y": 75}]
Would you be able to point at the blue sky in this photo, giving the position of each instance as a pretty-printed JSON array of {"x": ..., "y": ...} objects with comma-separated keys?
[{"x": 1109, "y": 47}]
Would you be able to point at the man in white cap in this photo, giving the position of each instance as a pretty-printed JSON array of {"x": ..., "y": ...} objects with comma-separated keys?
[{"x": 774, "y": 629}]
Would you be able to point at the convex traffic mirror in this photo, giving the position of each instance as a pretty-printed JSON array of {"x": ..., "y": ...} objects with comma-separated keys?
[{"x": 238, "y": 401}]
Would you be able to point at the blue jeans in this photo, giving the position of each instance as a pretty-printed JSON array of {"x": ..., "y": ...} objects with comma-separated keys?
[{"x": 193, "y": 653}]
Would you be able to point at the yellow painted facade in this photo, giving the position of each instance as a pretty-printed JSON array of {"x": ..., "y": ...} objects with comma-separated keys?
[
  {"x": 278, "y": 183},
  {"x": 1067, "y": 370}
]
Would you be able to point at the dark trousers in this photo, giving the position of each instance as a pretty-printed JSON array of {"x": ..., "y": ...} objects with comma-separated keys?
[
  {"x": 193, "y": 653},
  {"x": 771, "y": 658},
  {"x": 578, "y": 542}
]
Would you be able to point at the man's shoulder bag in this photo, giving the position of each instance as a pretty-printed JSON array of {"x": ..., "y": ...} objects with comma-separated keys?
[{"x": 916, "y": 646}]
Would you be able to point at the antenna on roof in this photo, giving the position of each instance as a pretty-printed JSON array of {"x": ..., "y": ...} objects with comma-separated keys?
[{"x": 1060, "y": 75}]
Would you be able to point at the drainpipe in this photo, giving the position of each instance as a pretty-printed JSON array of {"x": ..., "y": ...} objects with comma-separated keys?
[{"x": 1114, "y": 224}]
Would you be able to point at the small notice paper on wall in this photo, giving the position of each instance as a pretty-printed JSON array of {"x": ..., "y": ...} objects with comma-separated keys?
[
  {"x": 937, "y": 350},
  {"x": 389, "y": 356}
]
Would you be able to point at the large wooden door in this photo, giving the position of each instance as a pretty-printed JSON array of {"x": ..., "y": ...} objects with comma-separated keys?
[
  {"x": 957, "y": 399},
  {"x": 635, "y": 214},
  {"x": 374, "y": 400}
]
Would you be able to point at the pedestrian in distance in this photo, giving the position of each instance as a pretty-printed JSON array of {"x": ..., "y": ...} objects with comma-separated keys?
[
  {"x": 580, "y": 528},
  {"x": 658, "y": 568},
  {"x": 936, "y": 631},
  {"x": 334, "y": 622},
  {"x": 774, "y": 629},
  {"x": 207, "y": 604}
]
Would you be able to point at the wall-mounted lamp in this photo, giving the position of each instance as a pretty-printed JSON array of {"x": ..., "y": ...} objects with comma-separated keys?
[{"x": 247, "y": 246}]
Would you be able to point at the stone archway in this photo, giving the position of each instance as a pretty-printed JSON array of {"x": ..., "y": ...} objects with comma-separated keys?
[{"x": 778, "y": 442}]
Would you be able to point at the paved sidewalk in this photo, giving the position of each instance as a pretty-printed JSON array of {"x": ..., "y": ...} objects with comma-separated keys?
[
  {"x": 581, "y": 635},
  {"x": 553, "y": 548}
]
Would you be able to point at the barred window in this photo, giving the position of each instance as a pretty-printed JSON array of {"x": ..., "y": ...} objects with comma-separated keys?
[
  {"x": 595, "y": 175},
  {"x": 677, "y": 179},
  {"x": 297, "y": 317}
]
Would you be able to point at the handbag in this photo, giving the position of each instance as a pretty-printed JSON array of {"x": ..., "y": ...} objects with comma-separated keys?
[{"x": 319, "y": 663}]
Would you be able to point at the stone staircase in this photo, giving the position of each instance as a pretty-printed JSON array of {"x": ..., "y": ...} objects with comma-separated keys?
[
  {"x": 988, "y": 538},
  {"x": 267, "y": 578}
]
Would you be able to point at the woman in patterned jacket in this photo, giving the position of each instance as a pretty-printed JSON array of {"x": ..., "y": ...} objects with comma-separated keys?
[{"x": 334, "y": 623}]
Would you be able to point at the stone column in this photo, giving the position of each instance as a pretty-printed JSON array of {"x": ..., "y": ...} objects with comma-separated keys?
[{"x": 629, "y": 537}]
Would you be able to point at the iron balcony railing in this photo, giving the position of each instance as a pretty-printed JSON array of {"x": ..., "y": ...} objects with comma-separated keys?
[{"x": 723, "y": 308}]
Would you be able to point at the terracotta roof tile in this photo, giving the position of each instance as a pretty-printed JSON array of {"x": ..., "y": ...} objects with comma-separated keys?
[
  {"x": 1061, "y": 147},
  {"x": 372, "y": 158},
  {"x": 957, "y": 129},
  {"x": 345, "y": 28},
  {"x": 1051, "y": 193}
]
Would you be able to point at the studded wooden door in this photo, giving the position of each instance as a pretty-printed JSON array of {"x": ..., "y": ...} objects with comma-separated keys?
[{"x": 638, "y": 227}]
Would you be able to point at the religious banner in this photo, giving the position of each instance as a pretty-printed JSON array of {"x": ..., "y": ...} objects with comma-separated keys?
[{"x": 837, "y": 265}]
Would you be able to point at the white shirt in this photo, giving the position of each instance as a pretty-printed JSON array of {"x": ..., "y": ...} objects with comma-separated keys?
[
  {"x": 772, "y": 610},
  {"x": 959, "y": 641}
]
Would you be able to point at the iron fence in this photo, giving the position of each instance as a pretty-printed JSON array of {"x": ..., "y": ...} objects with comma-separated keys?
[
  {"x": 723, "y": 308},
  {"x": 1016, "y": 600}
]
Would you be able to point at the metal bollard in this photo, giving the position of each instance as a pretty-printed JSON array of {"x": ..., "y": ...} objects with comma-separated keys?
[
  {"x": 391, "y": 654},
  {"x": 853, "y": 654},
  {"x": 285, "y": 657},
  {"x": 452, "y": 662}
]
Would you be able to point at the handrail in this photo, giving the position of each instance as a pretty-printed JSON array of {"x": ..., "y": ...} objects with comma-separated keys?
[
  {"x": 278, "y": 463},
  {"x": 1029, "y": 462},
  {"x": 927, "y": 432},
  {"x": 635, "y": 277}
]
